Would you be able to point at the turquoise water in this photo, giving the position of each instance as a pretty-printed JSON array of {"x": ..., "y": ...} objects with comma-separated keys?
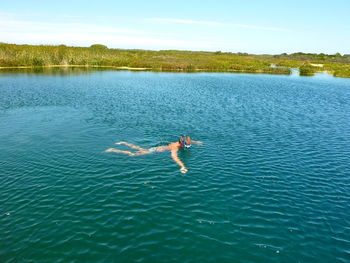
[{"x": 270, "y": 184}]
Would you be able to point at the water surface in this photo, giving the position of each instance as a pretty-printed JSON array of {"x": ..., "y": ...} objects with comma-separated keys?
[{"x": 270, "y": 184}]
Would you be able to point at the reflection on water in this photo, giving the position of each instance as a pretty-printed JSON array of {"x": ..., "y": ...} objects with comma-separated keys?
[{"x": 59, "y": 71}]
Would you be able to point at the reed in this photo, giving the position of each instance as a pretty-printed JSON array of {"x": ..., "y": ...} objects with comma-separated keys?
[{"x": 12, "y": 55}]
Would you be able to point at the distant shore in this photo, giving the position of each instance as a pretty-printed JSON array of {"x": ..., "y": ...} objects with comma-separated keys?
[
  {"x": 146, "y": 69},
  {"x": 14, "y": 56},
  {"x": 75, "y": 66}
]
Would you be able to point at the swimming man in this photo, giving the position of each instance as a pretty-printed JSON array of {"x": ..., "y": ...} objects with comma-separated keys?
[{"x": 184, "y": 142}]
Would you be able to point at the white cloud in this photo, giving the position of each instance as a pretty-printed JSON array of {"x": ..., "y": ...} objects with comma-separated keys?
[
  {"x": 116, "y": 41},
  {"x": 181, "y": 21},
  {"x": 196, "y": 22},
  {"x": 13, "y": 30},
  {"x": 11, "y": 25}
]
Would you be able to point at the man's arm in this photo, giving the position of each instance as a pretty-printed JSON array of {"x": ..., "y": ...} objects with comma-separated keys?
[
  {"x": 197, "y": 142},
  {"x": 178, "y": 161}
]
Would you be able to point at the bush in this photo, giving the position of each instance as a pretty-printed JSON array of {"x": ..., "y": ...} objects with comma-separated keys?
[
  {"x": 98, "y": 47},
  {"x": 307, "y": 70}
]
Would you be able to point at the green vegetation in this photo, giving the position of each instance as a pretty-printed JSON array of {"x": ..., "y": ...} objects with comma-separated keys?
[
  {"x": 98, "y": 55},
  {"x": 307, "y": 70},
  {"x": 338, "y": 70}
]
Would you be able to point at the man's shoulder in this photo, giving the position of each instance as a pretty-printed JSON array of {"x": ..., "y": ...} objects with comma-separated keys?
[{"x": 174, "y": 145}]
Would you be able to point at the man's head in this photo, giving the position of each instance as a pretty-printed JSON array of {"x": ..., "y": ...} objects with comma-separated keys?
[{"x": 185, "y": 142}]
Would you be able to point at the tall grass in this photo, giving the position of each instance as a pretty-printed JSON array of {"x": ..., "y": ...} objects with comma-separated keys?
[{"x": 12, "y": 55}]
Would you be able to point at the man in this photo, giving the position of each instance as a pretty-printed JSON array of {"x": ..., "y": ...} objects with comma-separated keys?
[{"x": 184, "y": 142}]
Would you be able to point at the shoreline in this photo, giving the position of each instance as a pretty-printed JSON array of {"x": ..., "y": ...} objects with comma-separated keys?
[
  {"x": 145, "y": 69},
  {"x": 142, "y": 69},
  {"x": 157, "y": 70},
  {"x": 73, "y": 66}
]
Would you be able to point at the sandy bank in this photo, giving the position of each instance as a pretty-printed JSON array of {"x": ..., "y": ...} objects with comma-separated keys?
[{"x": 317, "y": 65}]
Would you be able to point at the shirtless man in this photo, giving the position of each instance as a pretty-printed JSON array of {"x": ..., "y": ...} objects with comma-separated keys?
[{"x": 184, "y": 142}]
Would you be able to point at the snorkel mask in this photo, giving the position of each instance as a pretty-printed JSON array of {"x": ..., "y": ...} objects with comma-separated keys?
[{"x": 183, "y": 142}]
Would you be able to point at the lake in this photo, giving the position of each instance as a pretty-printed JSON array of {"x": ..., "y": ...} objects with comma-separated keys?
[{"x": 270, "y": 184}]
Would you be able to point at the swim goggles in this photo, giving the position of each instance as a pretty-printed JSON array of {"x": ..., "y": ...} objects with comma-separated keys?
[{"x": 183, "y": 141}]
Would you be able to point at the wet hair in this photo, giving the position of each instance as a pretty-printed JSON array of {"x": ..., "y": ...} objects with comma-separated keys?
[{"x": 185, "y": 141}]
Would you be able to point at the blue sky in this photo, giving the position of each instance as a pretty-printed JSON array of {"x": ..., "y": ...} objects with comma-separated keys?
[{"x": 270, "y": 27}]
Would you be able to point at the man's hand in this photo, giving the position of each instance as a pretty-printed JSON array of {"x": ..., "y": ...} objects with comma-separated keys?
[
  {"x": 197, "y": 142},
  {"x": 183, "y": 170}
]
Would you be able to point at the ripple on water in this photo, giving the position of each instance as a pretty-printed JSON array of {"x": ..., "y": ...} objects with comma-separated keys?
[{"x": 270, "y": 184}]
